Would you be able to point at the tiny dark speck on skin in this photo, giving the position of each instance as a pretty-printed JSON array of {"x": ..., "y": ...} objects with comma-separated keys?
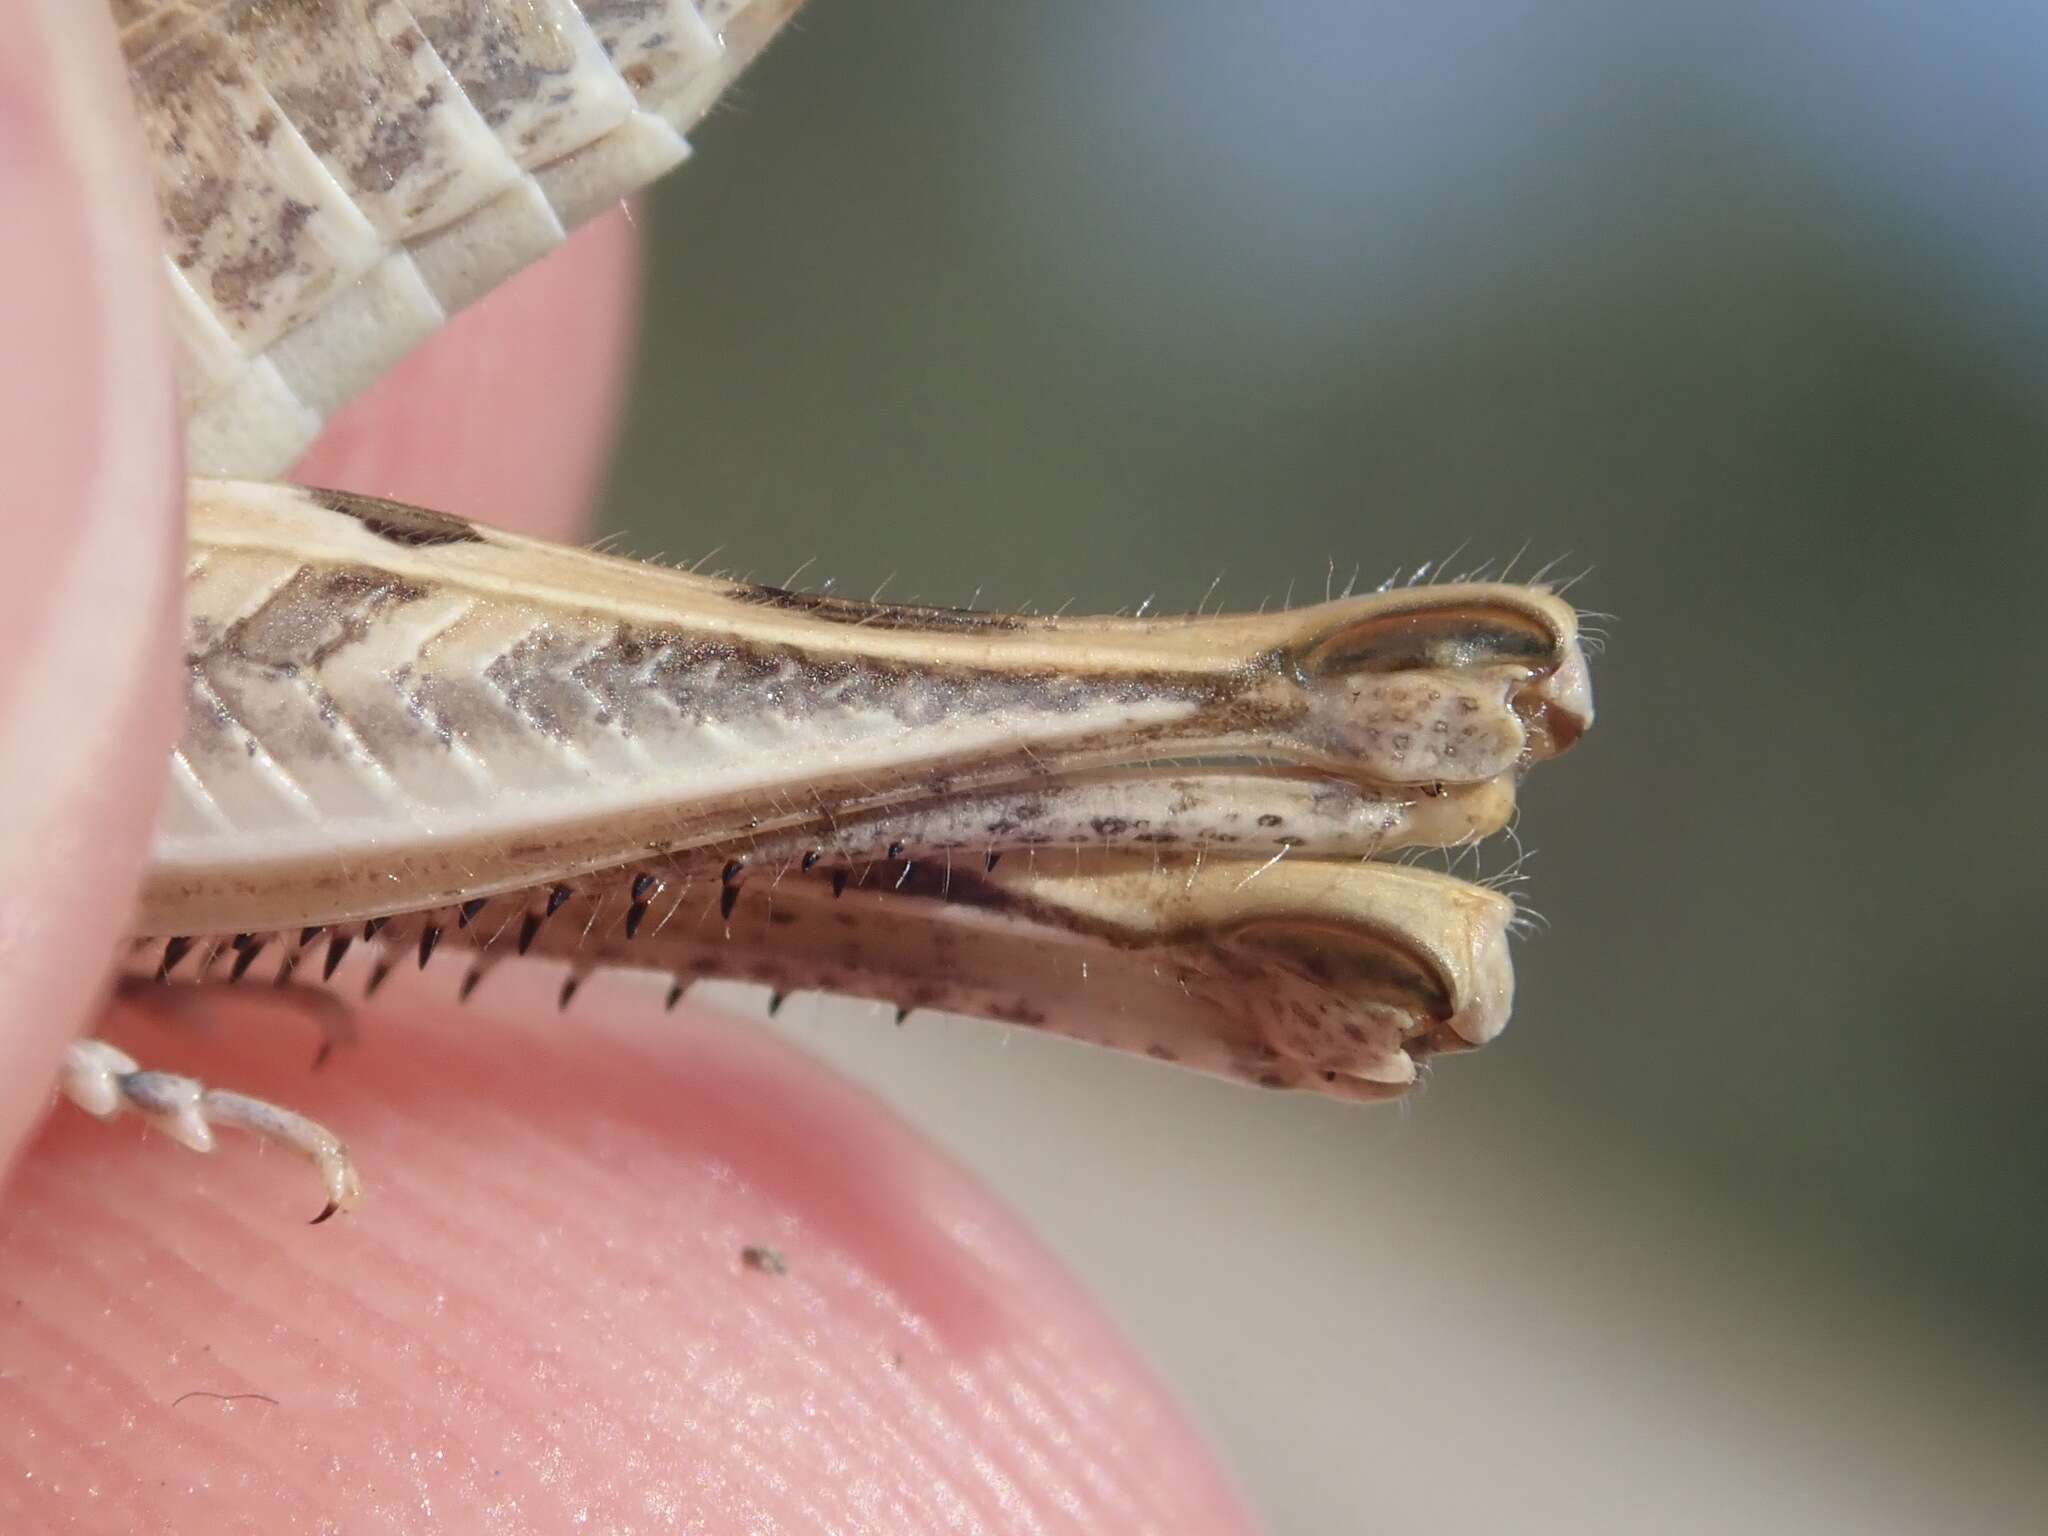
[{"x": 769, "y": 1261}]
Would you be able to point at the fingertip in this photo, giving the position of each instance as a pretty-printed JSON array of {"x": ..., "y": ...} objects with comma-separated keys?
[
  {"x": 92, "y": 492},
  {"x": 548, "y": 1303}
]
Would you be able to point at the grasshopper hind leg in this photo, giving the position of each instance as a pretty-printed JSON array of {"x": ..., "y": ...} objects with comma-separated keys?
[{"x": 103, "y": 1081}]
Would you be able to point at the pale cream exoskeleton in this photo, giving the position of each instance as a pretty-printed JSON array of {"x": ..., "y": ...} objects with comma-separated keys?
[
  {"x": 1158, "y": 834},
  {"x": 411, "y": 733}
]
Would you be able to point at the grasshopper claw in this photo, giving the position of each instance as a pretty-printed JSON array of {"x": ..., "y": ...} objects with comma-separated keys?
[{"x": 103, "y": 1081}]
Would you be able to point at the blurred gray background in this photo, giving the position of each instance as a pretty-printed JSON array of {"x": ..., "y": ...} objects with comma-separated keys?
[{"x": 1744, "y": 307}]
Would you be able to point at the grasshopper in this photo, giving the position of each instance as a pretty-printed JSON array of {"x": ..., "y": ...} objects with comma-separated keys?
[{"x": 412, "y": 735}]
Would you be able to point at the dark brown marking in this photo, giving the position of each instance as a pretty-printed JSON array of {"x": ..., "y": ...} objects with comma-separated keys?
[
  {"x": 414, "y": 527},
  {"x": 501, "y": 56},
  {"x": 900, "y": 616}
]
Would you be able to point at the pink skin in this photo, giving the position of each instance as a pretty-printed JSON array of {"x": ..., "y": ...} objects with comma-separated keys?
[{"x": 540, "y": 1319}]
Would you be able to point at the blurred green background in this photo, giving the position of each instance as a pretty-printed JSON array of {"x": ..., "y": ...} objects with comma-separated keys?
[{"x": 1739, "y": 308}]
